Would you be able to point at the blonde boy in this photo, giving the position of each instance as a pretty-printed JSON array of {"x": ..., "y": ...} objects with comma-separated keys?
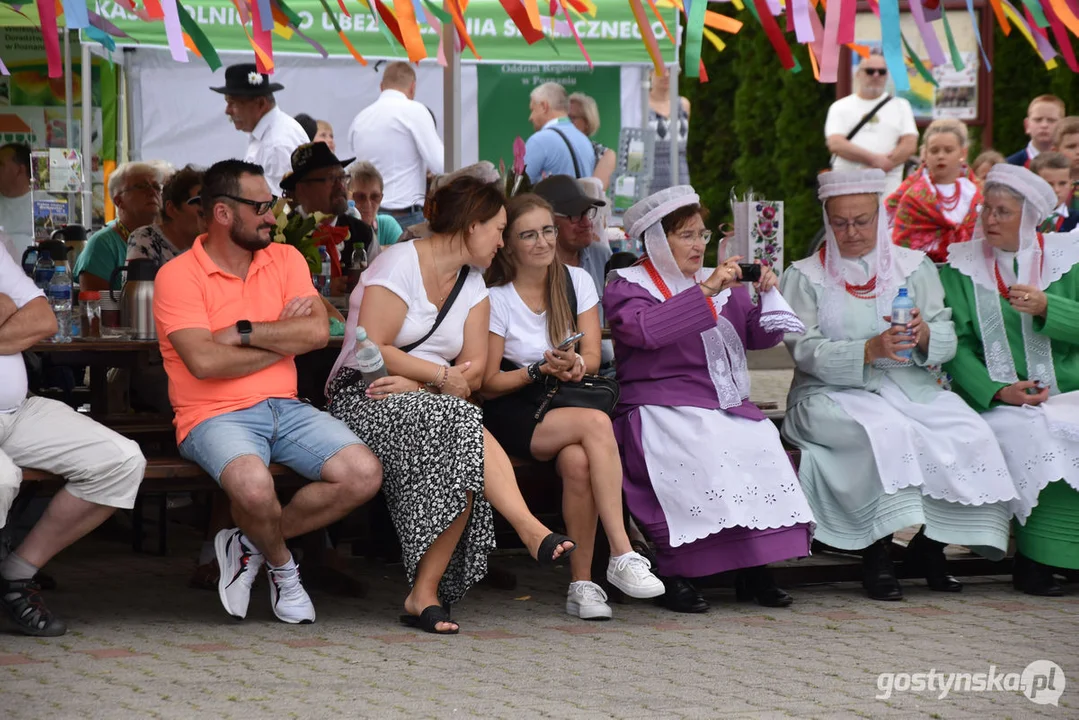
[{"x": 1043, "y": 114}]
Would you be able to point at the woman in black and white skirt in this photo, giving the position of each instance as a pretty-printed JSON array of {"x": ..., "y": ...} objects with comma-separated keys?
[
  {"x": 442, "y": 471},
  {"x": 531, "y": 315}
]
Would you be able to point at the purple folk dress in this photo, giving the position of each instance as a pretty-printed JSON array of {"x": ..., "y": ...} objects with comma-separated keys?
[{"x": 662, "y": 364}]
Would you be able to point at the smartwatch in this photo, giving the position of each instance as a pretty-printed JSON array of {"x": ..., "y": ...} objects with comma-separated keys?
[
  {"x": 534, "y": 373},
  {"x": 244, "y": 328}
]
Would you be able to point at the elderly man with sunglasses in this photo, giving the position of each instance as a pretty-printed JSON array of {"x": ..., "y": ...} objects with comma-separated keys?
[
  {"x": 232, "y": 314},
  {"x": 870, "y": 129},
  {"x": 135, "y": 189}
]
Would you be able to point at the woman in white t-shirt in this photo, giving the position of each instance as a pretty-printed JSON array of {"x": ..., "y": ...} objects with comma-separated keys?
[
  {"x": 441, "y": 471},
  {"x": 531, "y": 315}
]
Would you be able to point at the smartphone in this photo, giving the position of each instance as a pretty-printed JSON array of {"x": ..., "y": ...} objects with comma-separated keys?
[
  {"x": 570, "y": 341},
  {"x": 751, "y": 272}
]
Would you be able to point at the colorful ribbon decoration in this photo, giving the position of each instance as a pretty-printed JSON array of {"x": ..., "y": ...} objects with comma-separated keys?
[
  {"x": 173, "y": 32},
  {"x": 695, "y": 36},
  {"x": 573, "y": 30},
  {"x": 46, "y": 13},
  {"x": 410, "y": 30},
  {"x": 519, "y": 14},
  {"x": 198, "y": 37},
  {"x": 893, "y": 45},
  {"x": 647, "y": 35}
]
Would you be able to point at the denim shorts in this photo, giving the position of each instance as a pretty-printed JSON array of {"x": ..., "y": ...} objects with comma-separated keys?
[{"x": 278, "y": 430}]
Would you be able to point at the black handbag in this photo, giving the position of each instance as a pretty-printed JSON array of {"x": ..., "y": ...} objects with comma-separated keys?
[{"x": 593, "y": 391}]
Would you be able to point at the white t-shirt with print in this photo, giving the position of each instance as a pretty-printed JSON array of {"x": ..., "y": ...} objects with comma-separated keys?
[
  {"x": 21, "y": 290},
  {"x": 525, "y": 331},
  {"x": 397, "y": 268},
  {"x": 879, "y": 135}
]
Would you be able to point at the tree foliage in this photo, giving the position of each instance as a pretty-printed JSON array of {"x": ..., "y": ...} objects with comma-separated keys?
[{"x": 757, "y": 126}]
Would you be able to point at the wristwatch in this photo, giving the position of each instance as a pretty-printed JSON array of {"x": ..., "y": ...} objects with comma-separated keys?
[
  {"x": 244, "y": 328},
  {"x": 534, "y": 373}
]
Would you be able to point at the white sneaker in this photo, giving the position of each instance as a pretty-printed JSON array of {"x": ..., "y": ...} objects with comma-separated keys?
[
  {"x": 288, "y": 599},
  {"x": 239, "y": 563},
  {"x": 587, "y": 601},
  {"x": 631, "y": 573}
]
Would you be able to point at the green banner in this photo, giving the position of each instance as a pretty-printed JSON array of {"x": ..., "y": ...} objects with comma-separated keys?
[
  {"x": 612, "y": 37},
  {"x": 503, "y": 97}
]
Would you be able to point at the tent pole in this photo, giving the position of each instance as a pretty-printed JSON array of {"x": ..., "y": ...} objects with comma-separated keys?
[
  {"x": 673, "y": 117},
  {"x": 87, "y": 140},
  {"x": 451, "y": 99},
  {"x": 69, "y": 111}
]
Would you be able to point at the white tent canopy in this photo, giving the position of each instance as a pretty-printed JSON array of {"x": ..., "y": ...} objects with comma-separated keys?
[{"x": 175, "y": 117}]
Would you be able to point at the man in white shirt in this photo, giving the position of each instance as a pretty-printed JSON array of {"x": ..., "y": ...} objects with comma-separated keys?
[
  {"x": 103, "y": 469},
  {"x": 250, "y": 104},
  {"x": 16, "y": 206},
  {"x": 886, "y": 141},
  {"x": 397, "y": 135}
]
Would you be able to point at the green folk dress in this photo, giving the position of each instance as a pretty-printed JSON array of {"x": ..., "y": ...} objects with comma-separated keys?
[{"x": 1040, "y": 444}]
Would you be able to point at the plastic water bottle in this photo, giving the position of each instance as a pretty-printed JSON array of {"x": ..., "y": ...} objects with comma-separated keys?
[
  {"x": 902, "y": 313},
  {"x": 352, "y": 210},
  {"x": 369, "y": 358},
  {"x": 60, "y": 298},
  {"x": 324, "y": 276},
  {"x": 43, "y": 270}
]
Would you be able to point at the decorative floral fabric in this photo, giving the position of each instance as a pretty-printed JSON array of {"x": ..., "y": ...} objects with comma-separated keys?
[{"x": 919, "y": 223}]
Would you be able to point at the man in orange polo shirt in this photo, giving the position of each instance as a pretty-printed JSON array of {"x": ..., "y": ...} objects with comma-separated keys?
[{"x": 232, "y": 313}]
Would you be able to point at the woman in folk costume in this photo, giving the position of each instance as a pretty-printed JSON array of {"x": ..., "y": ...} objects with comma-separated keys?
[
  {"x": 883, "y": 446},
  {"x": 937, "y": 206},
  {"x": 1014, "y": 295},
  {"x": 705, "y": 473}
]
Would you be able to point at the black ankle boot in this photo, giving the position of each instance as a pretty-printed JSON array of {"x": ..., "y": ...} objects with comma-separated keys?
[
  {"x": 1033, "y": 578},
  {"x": 681, "y": 596},
  {"x": 878, "y": 573},
  {"x": 756, "y": 583},
  {"x": 926, "y": 557}
]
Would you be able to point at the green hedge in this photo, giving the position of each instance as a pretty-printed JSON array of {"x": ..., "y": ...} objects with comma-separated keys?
[{"x": 757, "y": 126}]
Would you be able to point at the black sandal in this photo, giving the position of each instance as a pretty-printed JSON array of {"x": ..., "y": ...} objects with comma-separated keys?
[
  {"x": 429, "y": 619},
  {"x": 544, "y": 556}
]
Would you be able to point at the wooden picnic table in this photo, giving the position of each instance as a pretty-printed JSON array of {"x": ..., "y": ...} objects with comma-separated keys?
[{"x": 102, "y": 354}]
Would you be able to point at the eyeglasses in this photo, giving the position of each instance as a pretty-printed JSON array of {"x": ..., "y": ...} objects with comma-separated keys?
[
  {"x": 876, "y": 71},
  {"x": 549, "y": 232},
  {"x": 375, "y": 197},
  {"x": 688, "y": 237},
  {"x": 841, "y": 225},
  {"x": 1000, "y": 213},
  {"x": 339, "y": 179},
  {"x": 261, "y": 207},
  {"x": 151, "y": 187},
  {"x": 590, "y": 214}
]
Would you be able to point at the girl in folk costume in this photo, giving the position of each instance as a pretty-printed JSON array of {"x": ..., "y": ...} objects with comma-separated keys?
[
  {"x": 883, "y": 446},
  {"x": 937, "y": 206},
  {"x": 1014, "y": 295},
  {"x": 705, "y": 473}
]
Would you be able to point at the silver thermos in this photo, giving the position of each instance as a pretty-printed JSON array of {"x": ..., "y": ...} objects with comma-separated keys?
[{"x": 137, "y": 298}]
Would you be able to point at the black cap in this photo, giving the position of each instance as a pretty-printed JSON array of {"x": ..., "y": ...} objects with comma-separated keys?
[
  {"x": 565, "y": 195},
  {"x": 310, "y": 157},
  {"x": 245, "y": 80}
]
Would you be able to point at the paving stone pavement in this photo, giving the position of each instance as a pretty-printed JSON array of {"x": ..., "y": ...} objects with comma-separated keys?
[{"x": 143, "y": 645}]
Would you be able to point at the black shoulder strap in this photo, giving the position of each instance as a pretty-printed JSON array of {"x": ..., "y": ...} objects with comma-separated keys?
[
  {"x": 571, "y": 295},
  {"x": 573, "y": 155},
  {"x": 461, "y": 277},
  {"x": 868, "y": 116}
]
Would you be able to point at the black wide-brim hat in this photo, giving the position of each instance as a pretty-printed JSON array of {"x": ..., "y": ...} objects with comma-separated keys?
[
  {"x": 244, "y": 80},
  {"x": 310, "y": 157}
]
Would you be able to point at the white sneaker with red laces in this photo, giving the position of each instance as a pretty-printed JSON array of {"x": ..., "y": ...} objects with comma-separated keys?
[{"x": 240, "y": 564}]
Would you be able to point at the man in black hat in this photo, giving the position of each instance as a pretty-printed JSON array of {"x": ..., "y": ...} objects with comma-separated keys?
[
  {"x": 250, "y": 104},
  {"x": 574, "y": 212},
  {"x": 318, "y": 184}
]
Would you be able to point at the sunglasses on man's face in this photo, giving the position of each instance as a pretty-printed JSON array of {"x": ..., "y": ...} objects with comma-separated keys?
[{"x": 876, "y": 71}]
